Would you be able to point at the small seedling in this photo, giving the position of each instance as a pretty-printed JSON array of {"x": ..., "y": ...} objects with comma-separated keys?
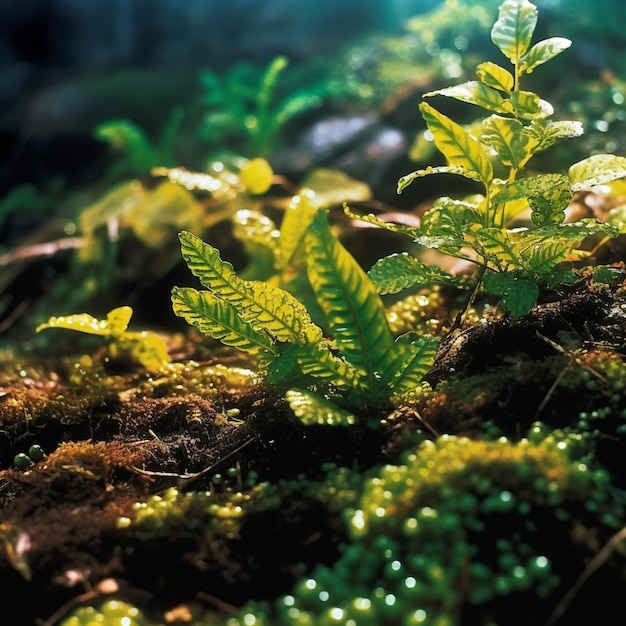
[
  {"x": 24, "y": 461},
  {"x": 148, "y": 348}
]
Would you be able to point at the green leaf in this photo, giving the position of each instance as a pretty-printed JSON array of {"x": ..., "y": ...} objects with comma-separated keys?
[
  {"x": 370, "y": 218},
  {"x": 317, "y": 360},
  {"x": 115, "y": 324},
  {"x": 459, "y": 148},
  {"x": 607, "y": 275},
  {"x": 399, "y": 271},
  {"x": 494, "y": 76},
  {"x": 597, "y": 170},
  {"x": 126, "y": 136},
  {"x": 505, "y": 135},
  {"x": 513, "y": 31},
  {"x": 448, "y": 226},
  {"x": 547, "y": 194},
  {"x": 220, "y": 320},
  {"x": 533, "y": 251},
  {"x": 352, "y": 306},
  {"x": 312, "y": 409},
  {"x": 406, "y": 180},
  {"x": 547, "y": 132},
  {"x": 542, "y": 52},
  {"x": 519, "y": 294},
  {"x": 281, "y": 368},
  {"x": 419, "y": 353},
  {"x": 265, "y": 306},
  {"x": 529, "y": 106},
  {"x": 475, "y": 92},
  {"x": 296, "y": 221}
]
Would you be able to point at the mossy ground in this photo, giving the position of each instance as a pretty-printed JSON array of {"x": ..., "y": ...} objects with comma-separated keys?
[{"x": 155, "y": 492}]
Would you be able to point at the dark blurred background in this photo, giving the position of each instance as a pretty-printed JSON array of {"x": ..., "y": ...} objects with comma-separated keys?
[{"x": 55, "y": 53}]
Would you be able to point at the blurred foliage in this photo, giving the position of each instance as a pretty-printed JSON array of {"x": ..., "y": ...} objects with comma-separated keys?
[
  {"x": 135, "y": 153},
  {"x": 246, "y": 111}
]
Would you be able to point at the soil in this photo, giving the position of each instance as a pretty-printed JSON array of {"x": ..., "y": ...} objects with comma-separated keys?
[{"x": 114, "y": 436}]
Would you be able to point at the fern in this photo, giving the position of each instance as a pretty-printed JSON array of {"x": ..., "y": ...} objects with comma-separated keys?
[{"x": 361, "y": 359}]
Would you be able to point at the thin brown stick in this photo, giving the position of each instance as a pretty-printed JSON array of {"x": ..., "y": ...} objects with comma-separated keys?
[
  {"x": 591, "y": 568},
  {"x": 194, "y": 475}
]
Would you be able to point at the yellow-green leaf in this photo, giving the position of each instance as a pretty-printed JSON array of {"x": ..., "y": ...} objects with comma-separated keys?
[
  {"x": 542, "y": 52},
  {"x": 317, "y": 360},
  {"x": 332, "y": 187},
  {"x": 418, "y": 356},
  {"x": 113, "y": 205},
  {"x": 278, "y": 312},
  {"x": 513, "y": 31},
  {"x": 529, "y": 106},
  {"x": 547, "y": 132},
  {"x": 505, "y": 136},
  {"x": 597, "y": 170},
  {"x": 260, "y": 238},
  {"x": 162, "y": 212},
  {"x": 115, "y": 324},
  {"x": 257, "y": 175},
  {"x": 263, "y": 305},
  {"x": 459, "y": 148},
  {"x": 313, "y": 409},
  {"x": 495, "y": 76},
  {"x": 474, "y": 92},
  {"x": 220, "y": 320},
  {"x": 407, "y": 179},
  {"x": 148, "y": 348},
  {"x": 548, "y": 195},
  {"x": 296, "y": 221},
  {"x": 353, "y": 308}
]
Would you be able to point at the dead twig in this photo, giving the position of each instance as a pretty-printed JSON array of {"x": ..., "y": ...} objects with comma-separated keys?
[
  {"x": 591, "y": 568},
  {"x": 195, "y": 475}
]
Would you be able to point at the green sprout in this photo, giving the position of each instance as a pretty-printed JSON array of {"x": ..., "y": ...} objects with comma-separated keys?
[{"x": 147, "y": 347}]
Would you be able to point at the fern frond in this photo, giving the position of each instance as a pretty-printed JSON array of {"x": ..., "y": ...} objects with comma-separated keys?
[
  {"x": 318, "y": 361},
  {"x": 220, "y": 320},
  {"x": 262, "y": 305},
  {"x": 312, "y": 409},
  {"x": 353, "y": 308},
  {"x": 417, "y": 359}
]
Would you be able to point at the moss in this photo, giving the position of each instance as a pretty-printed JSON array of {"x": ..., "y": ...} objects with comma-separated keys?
[{"x": 418, "y": 551}]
